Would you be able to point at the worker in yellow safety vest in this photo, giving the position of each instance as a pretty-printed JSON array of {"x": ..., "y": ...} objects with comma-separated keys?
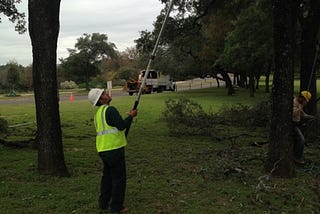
[{"x": 110, "y": 144}]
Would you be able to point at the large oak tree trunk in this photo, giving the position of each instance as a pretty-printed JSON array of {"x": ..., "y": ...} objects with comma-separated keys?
[
  {"x": 280, "y": 158},
  {"x": 44, "y": 30}
]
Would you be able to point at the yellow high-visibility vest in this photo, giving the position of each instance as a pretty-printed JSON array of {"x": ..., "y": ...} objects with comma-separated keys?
[{"x": 108, "y": 137}]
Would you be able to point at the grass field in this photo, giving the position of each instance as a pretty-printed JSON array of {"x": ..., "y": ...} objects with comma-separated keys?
[{"x": 166, "y": 174}]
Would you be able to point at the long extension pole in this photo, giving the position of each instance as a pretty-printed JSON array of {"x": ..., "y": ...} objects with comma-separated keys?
[
  {"x": 153, "y": 54},
  {"x": 313, "y": 66}
]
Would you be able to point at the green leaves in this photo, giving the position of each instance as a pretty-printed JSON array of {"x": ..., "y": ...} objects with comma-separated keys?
[
  {"x": 96, "y": 47},
  {"x": 9, "y": 9},
  {"x": 249, "y": 44},
  {"x": 83, "y": 61}
]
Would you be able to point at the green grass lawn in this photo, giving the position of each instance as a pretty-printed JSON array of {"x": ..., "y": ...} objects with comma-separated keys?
[{"x": 166, "y": 174}]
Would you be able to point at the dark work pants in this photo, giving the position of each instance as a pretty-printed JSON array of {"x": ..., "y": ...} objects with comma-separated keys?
[
  {"x": 299, "y": 142},
  {"x": 113, "y": 180}
]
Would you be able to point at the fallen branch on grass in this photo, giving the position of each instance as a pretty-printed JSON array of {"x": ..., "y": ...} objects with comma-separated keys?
[{"x": 17, "y": 144}]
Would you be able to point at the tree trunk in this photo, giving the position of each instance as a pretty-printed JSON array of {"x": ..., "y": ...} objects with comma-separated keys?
[
  {"x": 218, "y": 83},
  {"x": 257, "y": 81},
  {"x": 44, "y": 30},
  {"x": 243, "y": 79},
  {"x": 280, "y": 158},
  {"x": 251, "y": 83},
  {"x": 310, "y": 27},
  {"x": 267, "y": 89},
  {"x": 268, "y": 71},
  {"x": 228, "y": 82}
]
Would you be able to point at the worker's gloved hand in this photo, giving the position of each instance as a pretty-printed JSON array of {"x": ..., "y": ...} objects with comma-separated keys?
[{"x": 133, "y": 112}]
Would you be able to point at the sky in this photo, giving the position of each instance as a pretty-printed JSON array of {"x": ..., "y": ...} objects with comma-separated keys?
[{"x": 121, "y": 20}]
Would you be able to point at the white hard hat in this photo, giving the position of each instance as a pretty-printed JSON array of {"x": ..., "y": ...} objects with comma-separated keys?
[{"x": 94, "y": 95}]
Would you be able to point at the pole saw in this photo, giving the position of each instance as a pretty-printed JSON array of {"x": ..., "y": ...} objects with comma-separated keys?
[
  {"x": 152, "y": 56},
  {"x": 313, "y": 73}
]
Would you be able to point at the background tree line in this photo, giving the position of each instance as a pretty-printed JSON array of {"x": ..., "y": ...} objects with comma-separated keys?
[
  {"x": 203, "y": 38},
  {"x": 15, "y": 77},
  {"x": 245, "y": 38}
]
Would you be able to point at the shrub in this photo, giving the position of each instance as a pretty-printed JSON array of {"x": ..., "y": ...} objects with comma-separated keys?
[
  {"x": 96, "y": 84},
  {"x": 258, "y": 115},
  {"x": 68, "y": 85},
  {"x": 186, "y": 117}
]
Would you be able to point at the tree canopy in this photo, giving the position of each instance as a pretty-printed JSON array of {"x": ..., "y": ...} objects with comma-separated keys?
[
  {"x": 218, "y": 37},
  {"x": 9, "y": 9},
  {"x": 84, "y": 60}
]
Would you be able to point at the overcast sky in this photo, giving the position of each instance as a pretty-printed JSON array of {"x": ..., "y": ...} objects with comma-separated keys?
[{"x": 121, "y": 20}]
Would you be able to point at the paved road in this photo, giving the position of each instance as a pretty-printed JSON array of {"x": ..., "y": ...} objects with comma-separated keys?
[
  {"x": 29, "y": 98},
  {"x": 65, "y": 96}
]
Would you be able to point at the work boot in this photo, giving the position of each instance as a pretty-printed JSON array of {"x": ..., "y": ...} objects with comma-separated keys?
[{"x": 123, "y": 210}]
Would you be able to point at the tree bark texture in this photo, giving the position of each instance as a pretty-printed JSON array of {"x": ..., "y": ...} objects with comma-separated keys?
[
  {"x": 44, "y": 30},
  {"x": 251, "y": 83},
  {"x": 227, "y": 80},
  {"x": 310, "y": 23},
  {"x": 280, "y": 158},
  {"x": 268, "y": 71}
]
